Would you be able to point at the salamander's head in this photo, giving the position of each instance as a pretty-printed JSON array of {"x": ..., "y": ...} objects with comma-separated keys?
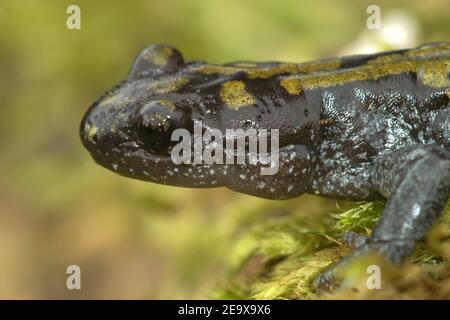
[{"x": 128, "y": 130}]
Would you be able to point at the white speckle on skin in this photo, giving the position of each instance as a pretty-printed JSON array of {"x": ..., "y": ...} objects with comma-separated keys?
[
  {"x": 416, "y": 210},
  {"x": 261, "y": 185},
  {"x": 115, "y": 166}
]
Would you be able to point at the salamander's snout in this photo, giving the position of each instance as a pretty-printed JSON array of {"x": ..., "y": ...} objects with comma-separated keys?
[
  {"x": 90, "y": 132},
  {"x": 103, "y": 127}
]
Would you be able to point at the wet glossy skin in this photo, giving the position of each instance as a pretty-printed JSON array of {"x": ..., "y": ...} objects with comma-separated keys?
[{"x": 357, "y": 127}]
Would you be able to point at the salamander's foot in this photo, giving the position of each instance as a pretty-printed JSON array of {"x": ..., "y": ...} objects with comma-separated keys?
[
  {"x": 394, "y": 251},
  {"x": 325, "y": 281},
  {"x": 330, "y": 278},
  {"x": 353, "y": 240}
]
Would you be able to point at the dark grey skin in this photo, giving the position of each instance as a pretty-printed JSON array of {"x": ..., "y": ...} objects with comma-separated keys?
[{"x": 359, "y": 127}]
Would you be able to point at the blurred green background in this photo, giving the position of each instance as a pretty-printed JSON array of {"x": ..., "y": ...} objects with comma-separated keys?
[{"x": 134, "y": 239}]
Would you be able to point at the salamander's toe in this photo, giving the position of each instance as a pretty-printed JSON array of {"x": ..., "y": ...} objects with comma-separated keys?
[
  {"x": 326, "y": 281},
  {"x": 330, "y": 279},
  {"x": 353, "y": 240}
]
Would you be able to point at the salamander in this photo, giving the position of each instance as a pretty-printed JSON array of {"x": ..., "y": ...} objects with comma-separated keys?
[{"x": 360, "y": 127}]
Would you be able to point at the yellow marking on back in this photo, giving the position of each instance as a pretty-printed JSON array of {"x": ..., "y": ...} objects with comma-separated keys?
[
  {"x": 435, "y": 49},
  {"x": 435, "y": 74},
  {"x": 159, "y": 55},
  {"x": 439, "y": 50},
  {"x": 166, "y": 86},
  {"x": 245, "y": 65},
  {"x": 323, "y": 65},
  {"x": 267, "y": 72},
  {"x": 235, "y": 96},
  {"x": 432, "y": 72},
  {"x": 387, "y": 59},
  {"x": 291, "y": 85},
  {"x": 254, "y": 71}
]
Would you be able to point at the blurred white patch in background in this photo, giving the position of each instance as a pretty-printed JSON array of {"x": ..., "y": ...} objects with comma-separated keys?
[{"x": 399, "y": 30}]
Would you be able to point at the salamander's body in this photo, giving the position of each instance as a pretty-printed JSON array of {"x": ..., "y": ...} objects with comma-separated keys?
[{"x": 358, "y": 127}]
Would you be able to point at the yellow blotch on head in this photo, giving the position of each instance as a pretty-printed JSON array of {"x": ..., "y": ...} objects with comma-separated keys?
[
  {"x": 169, "y": 104},
  {"x": 166, "y": 86},
  {"x": 447, "y": 92},
  {"x": 235, "y": 96},
  {"x": 115, "y": 100},
  {"x": 216, "y": 69},
  {"x": 159, "y": 55},
  {"x": 91, "y": 132},
  {"x": 292, "y": 85}
]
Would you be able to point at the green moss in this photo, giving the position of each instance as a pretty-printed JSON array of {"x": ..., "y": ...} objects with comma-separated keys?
[
  {"x": 278, "y": 258},
  {"x": 359, "y": 219}
]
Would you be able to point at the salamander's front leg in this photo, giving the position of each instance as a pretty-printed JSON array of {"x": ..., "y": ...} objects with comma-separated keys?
[{"x": 417, "y": 182}]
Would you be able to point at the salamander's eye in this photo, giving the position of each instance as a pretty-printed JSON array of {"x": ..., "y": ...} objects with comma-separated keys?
[{"x": 155, "y": 123}]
